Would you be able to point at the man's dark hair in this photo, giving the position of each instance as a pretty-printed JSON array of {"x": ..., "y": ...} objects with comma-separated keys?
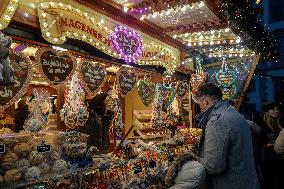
[{"x": 211, "y": 90}]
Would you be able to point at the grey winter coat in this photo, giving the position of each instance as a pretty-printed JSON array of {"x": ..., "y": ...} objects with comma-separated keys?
[{"x": 226, "y": 149}]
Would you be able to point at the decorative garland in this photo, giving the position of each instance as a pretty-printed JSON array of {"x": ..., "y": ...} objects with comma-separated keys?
[
  {"x": 113, "y": 103},
  {"x": 243, "y": 16},
  {"x": 157, "y": 115}
]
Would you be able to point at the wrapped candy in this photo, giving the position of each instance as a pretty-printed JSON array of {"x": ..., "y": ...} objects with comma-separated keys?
[
  {"x": 60, "y": 166},
  {"x": 35, "y": 158},
  {"x": 9, "y": 160},
  {"x": 44, "y": 167},
  {"x": 12, "y": 175},
  {"x": 23, "y": 164},
  {"x": 36, "y": 121},
  {"x": 32, "y": 173}
]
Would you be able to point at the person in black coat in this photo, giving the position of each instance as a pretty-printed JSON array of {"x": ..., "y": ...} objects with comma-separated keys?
[
  {"x": 21, "y": 114},
  {"x": 97, "y": 126}
]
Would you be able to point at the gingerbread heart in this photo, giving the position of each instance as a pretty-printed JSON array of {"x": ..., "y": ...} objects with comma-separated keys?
[
  {"x": 197, "y": 79},
  {"x": 126, "y": 81},
  {"x": 146, "y": 91},
  {"x": 23, "y": 72},
  {"x": 229, "y": 93},
  {"x": 56, "y": 66},
  {"x": 225, "y": 78},
  {"x": 93, "y": 75},
  {"x": 167, "y": 93},
  {"x": 182, "y": 88},
  {"x": 127, "y": 43}
]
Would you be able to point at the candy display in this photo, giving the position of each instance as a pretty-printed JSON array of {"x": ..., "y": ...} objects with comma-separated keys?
[
  {"x": 9, "y": 160},
  {"x": 12, "y": 175},
  {"x": 35, "y": 158},
  {"x": 60, "y": 166},
  {"x": 32, "y": 173}
]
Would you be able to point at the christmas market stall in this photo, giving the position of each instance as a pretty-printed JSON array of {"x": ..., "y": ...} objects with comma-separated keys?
[{"x": 97, "y": 94}]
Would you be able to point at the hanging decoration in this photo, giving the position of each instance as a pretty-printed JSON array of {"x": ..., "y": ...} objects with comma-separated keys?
[
  {"x": 126, "y": 79},
  {"x": 167, "y": 94},
  {"x": 157, "y": 115},
  {"x": 199, "y": 77},
  {"x": 36, "y": 121},
  {"x": 56, "y": 66},
  {"x": 92, "y": 75},
  {"x": 225, "y": 77},
  {"x": 22, "y": 75},
  {"x": 127, "y": 43},
  {"x": 146, "y": 91},
  {"x": 113, "y": 103},
  {"x": 74, "y": 112},
  {"x": 182, "y": 88}
]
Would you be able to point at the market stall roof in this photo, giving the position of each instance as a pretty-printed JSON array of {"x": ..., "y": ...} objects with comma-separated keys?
[{"x": 203, "y": 25}]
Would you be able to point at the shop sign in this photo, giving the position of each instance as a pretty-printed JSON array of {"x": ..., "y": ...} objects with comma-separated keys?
[
  {"x": 92, "y": 75},
  {"x": 60, "y": 21},
  {"x": 126, "y": 80},
  {"x": 7, "y": 10},
  {"x": 56, "y": 66},
  {"x": 22, "y": 75}
]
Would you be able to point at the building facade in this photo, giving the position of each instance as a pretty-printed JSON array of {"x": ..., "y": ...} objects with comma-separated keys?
[{"x": 268, "y": 82}]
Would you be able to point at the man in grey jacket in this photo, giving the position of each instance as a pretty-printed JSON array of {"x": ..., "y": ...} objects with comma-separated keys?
[{"x": 225, "y": 147}]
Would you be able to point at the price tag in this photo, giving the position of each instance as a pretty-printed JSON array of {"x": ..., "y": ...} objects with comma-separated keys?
[
  {"x": 137, "y": 169},
  {"x": 2, "y": 148},
  {"x": 43, "y": 147},
  {"x": 152, "y": 164},
  {"x": 171, "y": 158}
]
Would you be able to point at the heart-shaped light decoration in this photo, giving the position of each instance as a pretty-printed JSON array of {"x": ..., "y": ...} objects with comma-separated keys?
[
  {"x": 182, "y": 88},
  {"x": 56, "y": 66},
  {"x": 22, "y": 68},
  {"x": 196, "y": 80},
  {"x": 127, "y": 43},
  {"x": 225, "y": 78},
  {"x": 146, "y": 91},
  {"x": 229, "y": 93},
  {"x": 126, "y": 81},
  {"x": 167, "y": 93},
  {"x": 93, "y": 75}
]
